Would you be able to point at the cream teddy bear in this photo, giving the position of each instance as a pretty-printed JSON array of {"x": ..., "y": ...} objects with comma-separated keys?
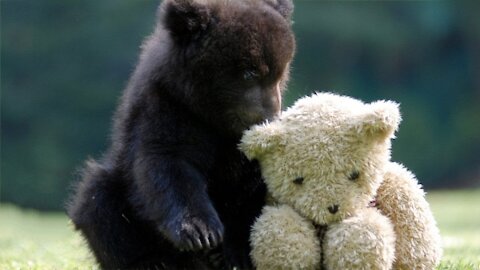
[{"x": 324, "y": 161}]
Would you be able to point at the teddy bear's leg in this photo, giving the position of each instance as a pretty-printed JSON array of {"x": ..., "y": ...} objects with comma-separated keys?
[
  {"x": 282, "y": 239},
  {"x": 365, "y": 241},
  {"x": 402, "y": 199}
]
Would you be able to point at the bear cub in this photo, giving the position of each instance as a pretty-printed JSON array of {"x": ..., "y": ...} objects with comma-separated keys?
[{"x": 173, "y": 191}]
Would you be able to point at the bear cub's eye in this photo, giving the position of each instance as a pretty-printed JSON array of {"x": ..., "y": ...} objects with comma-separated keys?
[
  {"x": 354, "y": 175},
  {"x": 250, "y": 75},
  {"x": 298, "y": 181}
]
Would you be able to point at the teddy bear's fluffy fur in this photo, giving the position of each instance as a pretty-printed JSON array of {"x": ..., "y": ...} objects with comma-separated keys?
[{"x": 323, "y": 161}]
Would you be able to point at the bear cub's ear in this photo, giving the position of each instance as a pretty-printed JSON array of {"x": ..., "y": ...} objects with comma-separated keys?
[
  {"x": 183, "y": 18},
  {"x": 284, "y": 7}
]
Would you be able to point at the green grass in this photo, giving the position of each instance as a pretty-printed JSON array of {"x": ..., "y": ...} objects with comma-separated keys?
[
  {"x": 458, "y": 216},
  {"x": 33, "y": 240}
]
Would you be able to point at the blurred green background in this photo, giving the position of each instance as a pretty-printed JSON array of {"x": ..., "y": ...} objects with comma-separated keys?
[{"x": 65, "y": 63}]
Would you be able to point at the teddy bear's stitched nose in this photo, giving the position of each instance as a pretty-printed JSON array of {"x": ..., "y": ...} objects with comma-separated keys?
[{"x": 333, "y": 208}]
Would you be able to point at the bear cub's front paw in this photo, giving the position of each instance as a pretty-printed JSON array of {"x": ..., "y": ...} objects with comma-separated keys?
[{"x": 194, "y": 233}]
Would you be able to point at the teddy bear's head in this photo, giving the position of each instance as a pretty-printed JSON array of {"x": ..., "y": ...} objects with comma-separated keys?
[{"x": 325, "y": 155}]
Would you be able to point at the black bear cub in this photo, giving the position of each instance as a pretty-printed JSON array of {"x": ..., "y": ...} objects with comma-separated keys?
[{"x": 173, "y": 189}]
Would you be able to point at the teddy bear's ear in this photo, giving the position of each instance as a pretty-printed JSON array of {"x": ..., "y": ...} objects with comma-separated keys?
[
  {"x": 260, "y": 139},
  {"x": 184, "y": 18},
  {"x": 381, "y": 120}
]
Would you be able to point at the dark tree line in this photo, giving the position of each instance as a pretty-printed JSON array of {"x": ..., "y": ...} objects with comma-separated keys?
[{"x": 64, "y": 64}]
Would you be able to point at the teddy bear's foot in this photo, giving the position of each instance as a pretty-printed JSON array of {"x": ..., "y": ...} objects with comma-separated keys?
[
  {"x": 281, "y": 239},
  {"x": 366, "y": 241}
]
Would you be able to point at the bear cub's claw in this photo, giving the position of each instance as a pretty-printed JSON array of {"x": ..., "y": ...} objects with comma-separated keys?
[{"x": 193, "y": 233}]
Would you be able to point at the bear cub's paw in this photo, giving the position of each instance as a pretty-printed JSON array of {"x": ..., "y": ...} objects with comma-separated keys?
[{"x": 192, "y": 233}]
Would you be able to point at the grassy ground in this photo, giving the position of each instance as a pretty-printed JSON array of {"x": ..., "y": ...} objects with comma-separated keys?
[
  {"x": 33, "y": 240},
  {"x": 30, "y": 240},
  {"x": 458, "y": 216}
]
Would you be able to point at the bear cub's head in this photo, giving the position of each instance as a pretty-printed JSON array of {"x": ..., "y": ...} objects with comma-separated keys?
[
  {"x": 325, "y": 155},
  {"x": 226, "y": 60}
]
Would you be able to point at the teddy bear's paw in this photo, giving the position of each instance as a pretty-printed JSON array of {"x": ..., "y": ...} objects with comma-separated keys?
[
  {"x": 366, "y": 241},
  {"x": 282, "y": 239},
  {"x": 402, "y": 200}
]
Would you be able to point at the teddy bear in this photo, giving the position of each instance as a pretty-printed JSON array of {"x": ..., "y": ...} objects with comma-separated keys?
[{"x": 336, "y": 200}]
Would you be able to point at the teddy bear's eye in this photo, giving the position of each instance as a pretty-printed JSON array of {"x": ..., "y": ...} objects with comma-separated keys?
[
  {"x": 298, "y": 181},
  {"x": 250, "y": 75},
  {"x": 354, "y": 175}
]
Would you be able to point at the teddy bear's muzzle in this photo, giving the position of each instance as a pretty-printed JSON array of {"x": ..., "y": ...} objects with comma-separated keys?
[{"x": 333, "y": 208}]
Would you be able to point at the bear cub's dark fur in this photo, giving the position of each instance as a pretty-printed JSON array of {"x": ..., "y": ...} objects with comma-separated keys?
[{"x": 173, "y": 189}]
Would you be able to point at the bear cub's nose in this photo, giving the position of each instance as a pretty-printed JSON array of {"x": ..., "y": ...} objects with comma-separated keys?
[{"x": 333, "y": 208}]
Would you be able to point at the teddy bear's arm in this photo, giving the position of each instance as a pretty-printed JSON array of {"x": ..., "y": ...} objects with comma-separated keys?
[
  {"x": 282, "y": 239},
  {"x": 402, "y": 199}
]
